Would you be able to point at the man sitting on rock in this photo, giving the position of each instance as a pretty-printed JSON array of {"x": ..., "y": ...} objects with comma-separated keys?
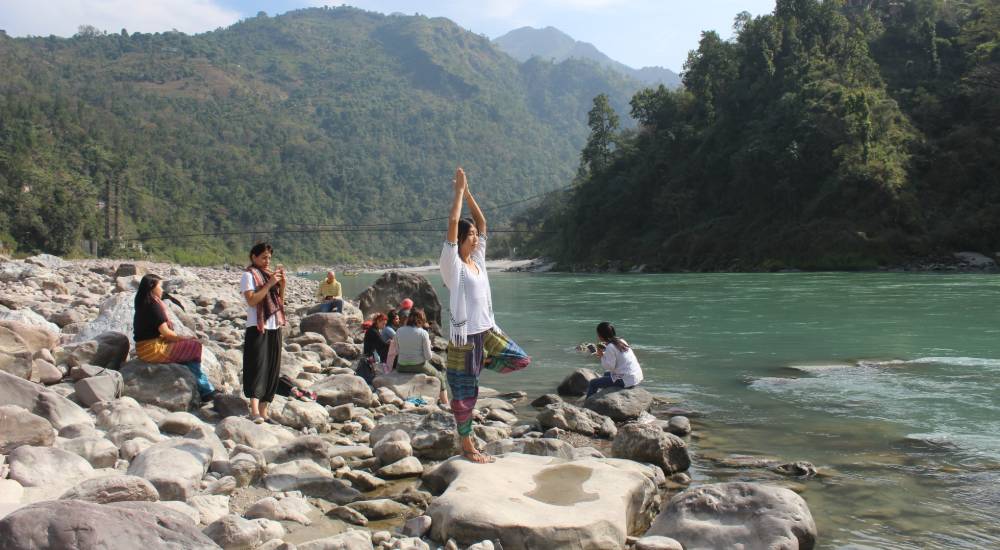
[{"x": 329, "y": 293}]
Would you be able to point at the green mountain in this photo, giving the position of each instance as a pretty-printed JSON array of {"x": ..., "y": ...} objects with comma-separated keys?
[
  {"x": 825, "y": 135},
  {"x": 276, "y": 127},
  {"x": 552, "y": 44}
]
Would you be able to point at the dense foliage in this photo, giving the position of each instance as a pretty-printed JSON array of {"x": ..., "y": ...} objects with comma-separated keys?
[
  {"x": 319, "y": 116},
  {"x": 829, "y": 134}
]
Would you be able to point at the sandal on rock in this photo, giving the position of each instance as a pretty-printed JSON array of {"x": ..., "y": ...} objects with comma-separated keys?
[{"x": 478, "y": 457}]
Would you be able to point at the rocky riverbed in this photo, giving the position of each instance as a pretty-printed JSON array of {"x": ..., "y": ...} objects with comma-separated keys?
[{"x": 101, "y": 450}]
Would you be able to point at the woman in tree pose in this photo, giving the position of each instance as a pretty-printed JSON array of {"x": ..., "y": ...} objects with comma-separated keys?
[
  {"x": 155, "y": 339},
  {"x": 620, "y": 365},
  {"x": 474, "y": 339},
  {"x": 264, "y": 291}
]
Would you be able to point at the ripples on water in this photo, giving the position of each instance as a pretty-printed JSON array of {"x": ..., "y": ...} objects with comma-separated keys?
[{"x": 886, "y": 382}]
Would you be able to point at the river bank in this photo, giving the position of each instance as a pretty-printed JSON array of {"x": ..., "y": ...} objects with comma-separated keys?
[{"x": 127, "y": 443}]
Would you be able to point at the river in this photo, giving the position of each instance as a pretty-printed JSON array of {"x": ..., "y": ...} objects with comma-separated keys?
[{"x": 887, "y": 382}]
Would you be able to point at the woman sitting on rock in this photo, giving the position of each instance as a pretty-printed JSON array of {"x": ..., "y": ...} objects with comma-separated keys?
[
  {"x": 620, "y": 364},
  {"x": 155, "y": 339},
  {"x": 412, "y": 348},
  {"x": 474, "y": 339}
]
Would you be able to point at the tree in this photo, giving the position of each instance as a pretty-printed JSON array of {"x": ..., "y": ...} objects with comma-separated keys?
[{"x": 603, "y": 122}]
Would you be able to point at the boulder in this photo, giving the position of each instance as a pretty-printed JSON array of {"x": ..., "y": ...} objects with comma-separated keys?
[
  {"x": 231, "y": 404},
  {"x": 98, "y": 451},
  {"x": 679, "y": 425},
  {"x": 46, "y": 466},
  {"x": 20, "y": 427},
  {"x": 306, "y": 447},
  {"x": 246, "y": 465},
  {"x": 288, "y": 508},
  {"x": 290, "y": 476},
  {"x": 175, "y": 467},
  {"x": 417, "y": 527},
  {"x": 45, "y": 372},
  {"x": 211, "y": 508},
  {"x": 179, "y": 423},
  {"x": 103, "y": 490},
  {"x": 576, "y": 419},
  {"x": 541, "y": 502},
  {"x": 121, "y": 413},
  {"x": 392, "y": 446},
  {"x": 546, "y": 399},
  {"x": 106, "y": 387},
  {"x": 168, "y": 386},
  {"x": 647, "y": 443},
  {"x": 48, "y": 261},
  {"x": 392, "y": 287},
  {"x": 432, "y": 436},
  {"x": 620, "y": 404},
  {"x": 339, "y": 389},
  {"x": 234, "y": 532},
  {"x": 258, "y": 436},
  {"x": 77, "y": 524},
  {"x": 576, "y": 383},
  {"x": 332, "y": 326},
  {"x": 406, "y": 385},
  {"x": 532, "y": 446},
  {"x": 35, "y": 332},
  {"x": 299, "y": 414},
  {"x": 361, "y": 480},
  {"x": 107, "y": 349},
  {"x": 220, "y": 455},
  {"x": 737, "y": 515},
  {"x": 406, "y": 467},
  {"x": 359, "y": 539},
  {"x": 381, "y": 508}
]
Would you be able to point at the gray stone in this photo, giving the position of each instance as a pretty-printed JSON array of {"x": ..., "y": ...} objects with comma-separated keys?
[
  {"x": 103, "y": 490},
  {"x": 231, "y": 404},
  {"x": 576, "y": 383},
  {"x": 362, "y": 481},
  {"x": 576, "y": 419},
  {"x": 392, "y": 287},
  {"x": 179, "y": 423},
  {"x": 46, "y": 466},
  {"x": 299, "y": 414},
  {"x": 234, "y": 532},
  {"x": 99, "y": 452},
  {"x": 77, "y": 524},
  {"x": 339, "y": 389},
  {"x": 107, "y": 349},
  {"x": 392, "y": 446},
  {"x": 407, "y": 385},
  {"x": 175, "y": 467},
  {"x": 259, "y": 436},
  {"x": 347, "y": 515},
  {"x": 679, "y": 425},
  {"x": 418, "y": 526},
  {"x": 381, "y": 508},
  {"x": 646, "y": 443},
  {"x": 39, "y": 400},
  {"x": 332, "y": 326},
  {"x": 20, "y": 427},
  {"x": 307, "y": 447},
  {"x": 432, "y": 436},
  {"x": 406, "y": 467},
  {"x": 211, "y": 508},
  {"x": 532, "y": 446},
  {"x": 737, "y": 515},
  {"x": 620, "y": 404},
  {"x": 168, "y": 386},
  {"x": 294, "y": 509},
  {"x": 359, "y": 539},
  {"x": 106, "y": 387},
  {"x": 291, "y": 476}
]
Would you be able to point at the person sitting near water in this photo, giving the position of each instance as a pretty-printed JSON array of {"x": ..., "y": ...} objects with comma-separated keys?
[
  {"x": 411, "y": 352},
  {"x": 620, "y": 364},
  {"x": 329, "y": 293},
  {"x": 374, "y": 346},
  {"x": 391, "y": 324},
  {"x": 155, "y": 339},
  {"x": 404, "y": 310}
]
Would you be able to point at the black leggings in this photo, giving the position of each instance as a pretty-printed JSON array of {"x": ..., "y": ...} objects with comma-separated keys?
[{"x": 261, "y": 363}]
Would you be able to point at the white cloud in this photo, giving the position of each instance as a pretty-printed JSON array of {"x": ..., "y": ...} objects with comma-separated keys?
[{"x": 64, "y": 17}]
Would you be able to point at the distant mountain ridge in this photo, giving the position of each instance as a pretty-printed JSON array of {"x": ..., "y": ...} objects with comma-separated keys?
[{"x": 551, "y": 43}]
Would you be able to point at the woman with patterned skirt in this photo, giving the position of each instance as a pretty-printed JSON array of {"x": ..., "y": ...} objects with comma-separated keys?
[
  {"x": 475, "y": 341},
  {"x": 155, "y": 339}
]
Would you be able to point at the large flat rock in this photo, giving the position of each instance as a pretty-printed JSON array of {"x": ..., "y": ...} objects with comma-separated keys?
[{"x": 543, "y": 502}]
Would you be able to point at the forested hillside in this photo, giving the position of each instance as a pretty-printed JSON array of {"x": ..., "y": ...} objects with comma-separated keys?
[
  {"x": 825, "y": 135},
  {"x": 318, "y": 116}
]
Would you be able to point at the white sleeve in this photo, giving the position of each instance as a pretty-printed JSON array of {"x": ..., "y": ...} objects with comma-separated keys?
[
  {"x": 428, "y": 353},
  {"x": 246, "y": 283},
  {"x": 450, "y": 265}
]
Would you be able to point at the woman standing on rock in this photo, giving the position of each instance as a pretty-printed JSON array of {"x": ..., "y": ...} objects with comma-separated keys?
[
  {"x": 155, "y": 339},
  {"x": 474, "y": 339},
  {"x": 620, "y": 364},
  {"x": 264, "y": 291},
  {"x": 412, "y": 348}
]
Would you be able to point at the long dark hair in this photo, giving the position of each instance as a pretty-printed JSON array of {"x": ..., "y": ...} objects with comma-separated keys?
[
  {"x": 606, "y": 331},
  {"x": 144, "y": 294},
  {"x": 417, "y": 318}
]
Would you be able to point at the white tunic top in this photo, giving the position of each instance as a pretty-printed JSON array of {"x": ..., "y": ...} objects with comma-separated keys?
[
  {"x": 470, "y": 302},
  {"x": 246, "y": 283},
  {"x": 622, "y": 365}
]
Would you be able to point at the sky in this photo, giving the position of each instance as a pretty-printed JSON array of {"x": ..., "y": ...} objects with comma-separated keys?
[{"x": 636, "y": 32}]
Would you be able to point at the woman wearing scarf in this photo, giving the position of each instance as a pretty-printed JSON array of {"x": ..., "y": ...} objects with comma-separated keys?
[
  {"x": 264, "y": 292},
  {"x": 155, "y": 339},
  {"x": 474, "y": 339}
]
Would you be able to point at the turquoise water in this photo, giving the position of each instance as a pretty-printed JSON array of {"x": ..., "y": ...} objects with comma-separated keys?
[{"x": 887, "y": 382}]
